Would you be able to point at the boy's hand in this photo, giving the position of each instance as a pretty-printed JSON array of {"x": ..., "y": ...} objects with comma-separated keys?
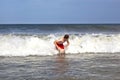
[{"x": 66, "y": 46}]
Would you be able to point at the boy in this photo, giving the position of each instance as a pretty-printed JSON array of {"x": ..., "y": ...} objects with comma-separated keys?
[{"x": 59, "y": 44}]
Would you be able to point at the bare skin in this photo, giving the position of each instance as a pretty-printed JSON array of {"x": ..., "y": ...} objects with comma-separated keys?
[{"x": 61, "y": 41}]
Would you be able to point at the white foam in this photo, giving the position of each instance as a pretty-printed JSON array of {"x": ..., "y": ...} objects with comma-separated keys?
[{"x": 17, "y": 45}]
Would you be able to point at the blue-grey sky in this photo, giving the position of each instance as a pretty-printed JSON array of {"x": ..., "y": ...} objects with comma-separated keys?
[{"x": 59, "y": 11}]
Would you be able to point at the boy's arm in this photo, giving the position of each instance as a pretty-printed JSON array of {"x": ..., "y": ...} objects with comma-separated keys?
[{"x": 55, "y": 42}]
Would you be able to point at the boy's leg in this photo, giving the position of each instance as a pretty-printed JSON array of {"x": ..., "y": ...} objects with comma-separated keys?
[{"x": 62, "y": 51}]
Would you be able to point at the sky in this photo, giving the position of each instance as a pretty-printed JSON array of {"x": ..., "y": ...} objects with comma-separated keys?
[{"x": 59, "y": 11}]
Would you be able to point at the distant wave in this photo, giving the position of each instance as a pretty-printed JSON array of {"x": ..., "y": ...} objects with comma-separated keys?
[
  {"x": 58, "y": 28},
  {"x": 25, "y": 45}
]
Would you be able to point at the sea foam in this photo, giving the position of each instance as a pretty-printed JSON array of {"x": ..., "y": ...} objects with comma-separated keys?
[{"x": 25, "y": 45}]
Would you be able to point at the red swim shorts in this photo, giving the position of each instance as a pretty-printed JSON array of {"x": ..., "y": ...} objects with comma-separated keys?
[{"x": 61, "y": 46}]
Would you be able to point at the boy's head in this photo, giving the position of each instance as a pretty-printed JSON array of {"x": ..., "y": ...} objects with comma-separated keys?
[{"x": 66, "y": 36}]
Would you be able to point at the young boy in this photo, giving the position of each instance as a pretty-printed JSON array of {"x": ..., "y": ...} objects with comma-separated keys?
[{"x": 59, "y": 44}]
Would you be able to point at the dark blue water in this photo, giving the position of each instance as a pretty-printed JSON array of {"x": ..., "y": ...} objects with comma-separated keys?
[{"x": 58, "y": 28}]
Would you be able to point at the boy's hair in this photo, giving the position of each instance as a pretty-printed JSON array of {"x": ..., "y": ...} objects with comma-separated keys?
[{"x": 66, "y": 36}]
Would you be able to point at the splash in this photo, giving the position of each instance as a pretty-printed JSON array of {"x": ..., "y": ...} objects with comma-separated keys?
[{"x": 25, "y": 45}]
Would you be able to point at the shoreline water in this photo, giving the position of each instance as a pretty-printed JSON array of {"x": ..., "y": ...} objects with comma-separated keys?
[{"x": 69, "y": 67}]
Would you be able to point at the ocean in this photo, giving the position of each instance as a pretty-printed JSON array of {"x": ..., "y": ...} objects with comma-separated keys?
[{"x": 27, "y": 52}]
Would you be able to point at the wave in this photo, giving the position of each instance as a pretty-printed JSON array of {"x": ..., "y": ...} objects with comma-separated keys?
[{"x": 25, "y": 45}]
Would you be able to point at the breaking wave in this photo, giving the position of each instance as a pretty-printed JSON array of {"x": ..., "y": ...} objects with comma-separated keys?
[{"x": 25, "y": 45}]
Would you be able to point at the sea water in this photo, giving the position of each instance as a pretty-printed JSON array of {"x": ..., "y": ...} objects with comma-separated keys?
[{"x": 27, "y": 52}]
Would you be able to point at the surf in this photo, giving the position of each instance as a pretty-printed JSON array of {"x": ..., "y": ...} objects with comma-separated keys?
[{"x": 42, "y": 45}]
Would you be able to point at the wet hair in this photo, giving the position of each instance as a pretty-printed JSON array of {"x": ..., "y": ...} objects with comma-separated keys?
[{"x": 66, "y": 36}]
